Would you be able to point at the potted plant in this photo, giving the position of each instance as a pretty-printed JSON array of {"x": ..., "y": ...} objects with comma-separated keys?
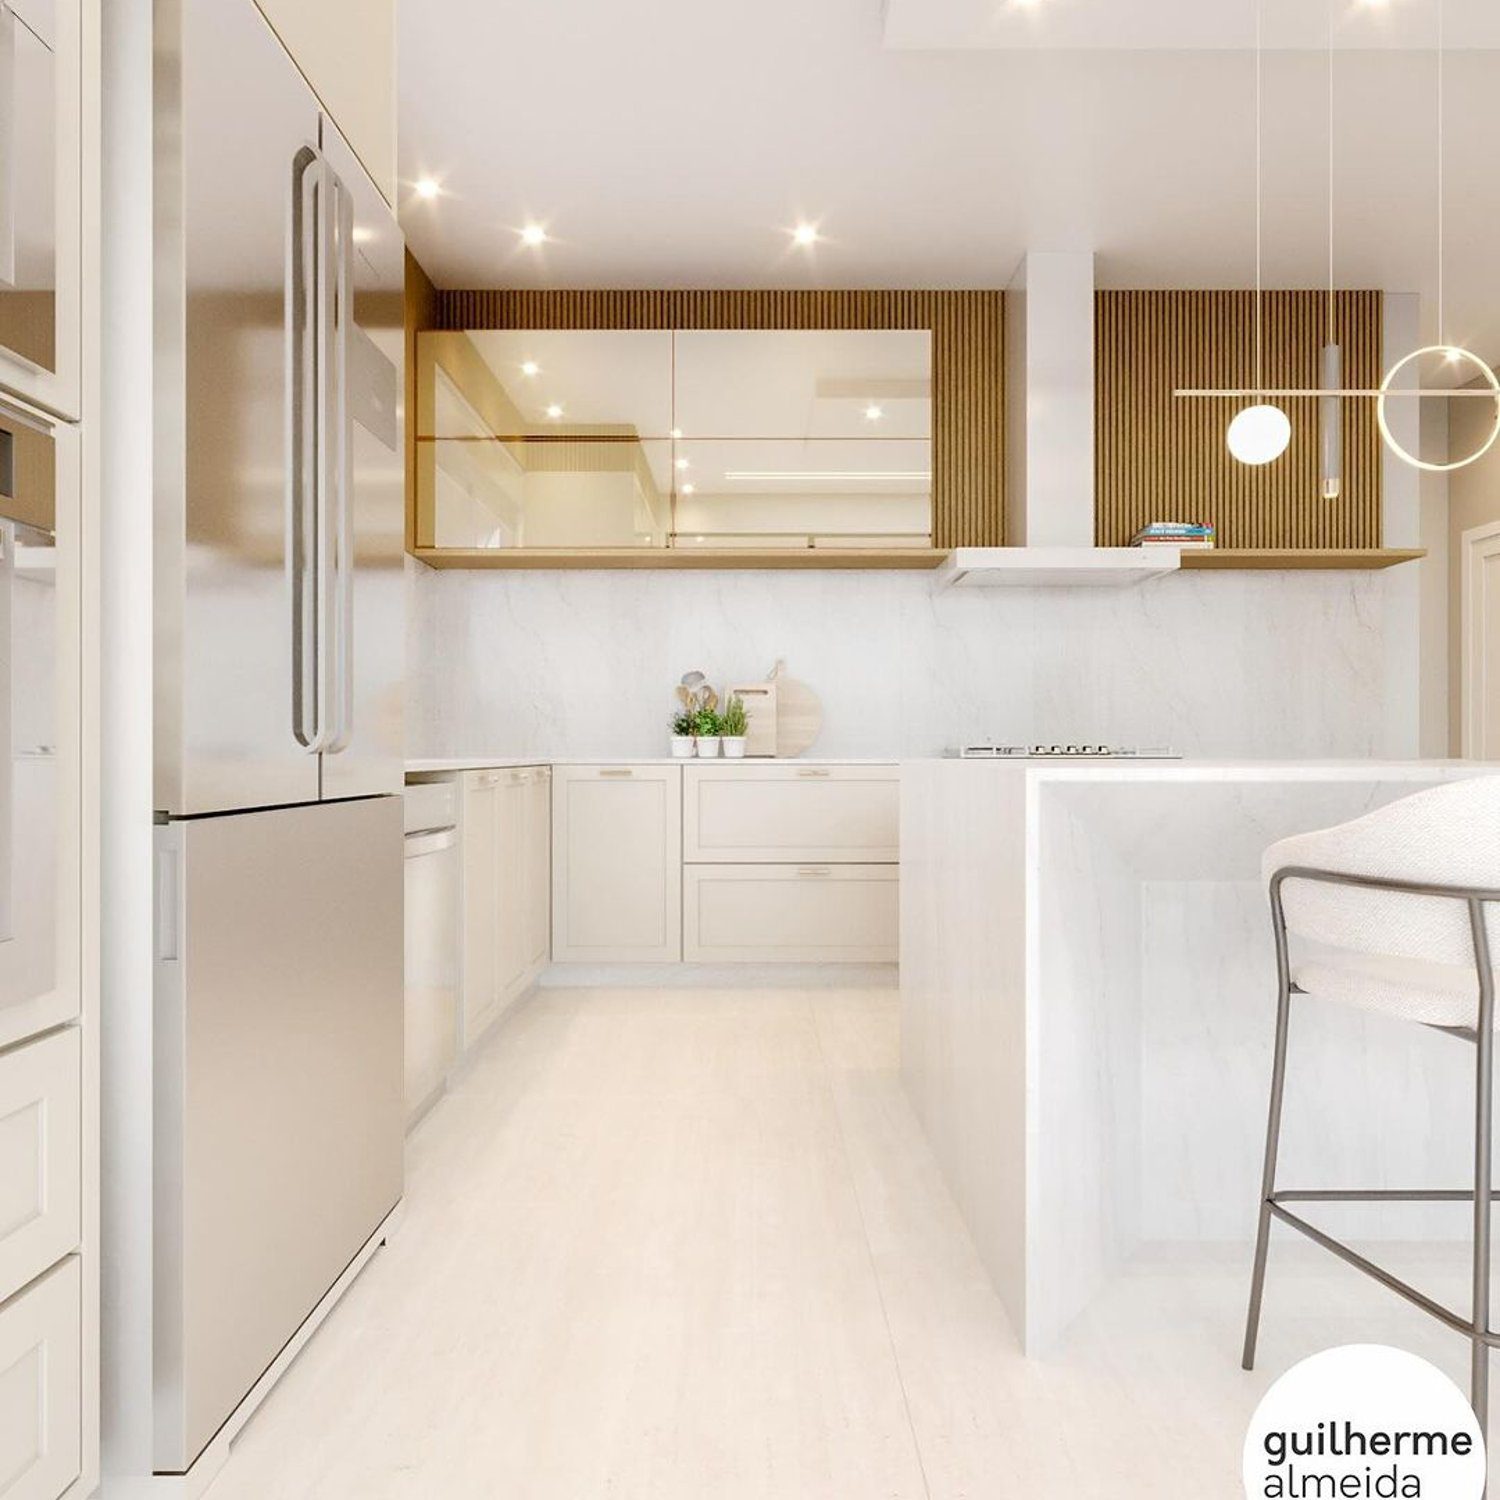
[
  {"x": 706, "y": 727},
  {"x": 682, "y": 735},
  {"x": 732, "y": 729}
]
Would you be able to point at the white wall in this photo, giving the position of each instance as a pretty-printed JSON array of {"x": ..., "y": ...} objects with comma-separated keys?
[{"x": 584, "y": 663}]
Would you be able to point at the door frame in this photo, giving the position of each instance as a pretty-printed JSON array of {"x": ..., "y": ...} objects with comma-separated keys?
[{"x": 1471, "y": 646}]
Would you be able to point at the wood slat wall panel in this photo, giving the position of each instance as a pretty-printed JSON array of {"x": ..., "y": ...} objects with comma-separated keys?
[
  {"x": 968, "y": 364},
  {"x": 1161, "y": 458}
]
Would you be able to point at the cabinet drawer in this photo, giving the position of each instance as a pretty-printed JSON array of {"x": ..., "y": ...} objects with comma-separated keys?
[
  {"x": 40, "y": 1157},
  {"x": 41, "y": 1415},
  {"x": 781, "y": 813},
  {"x": 809, "y": 913}
]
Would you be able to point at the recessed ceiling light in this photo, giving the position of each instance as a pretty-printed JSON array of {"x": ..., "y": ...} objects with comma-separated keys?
[
  {"x": 427, "y": 187},
  {"x": 687, "y": 489},
  {"x": 530, "y": 367},
  {"x": 682, "y": 463},
  {"x": 554, "y": 411},
  {"x": 873, "y": 413},
  {"x": 533, "y": 234},
  {"x": 805, "y": 235}
]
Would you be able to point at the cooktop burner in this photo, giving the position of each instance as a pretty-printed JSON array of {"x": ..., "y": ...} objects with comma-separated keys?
[{"x": 1073, "y": 752}]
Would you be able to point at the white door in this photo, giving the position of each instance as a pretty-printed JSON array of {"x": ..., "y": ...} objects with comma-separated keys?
[
  {"x": 538, "y": 868},
  {"x": 1481, "y": 642},
  {"x": 480, "y": 902},
  {"x": 510, "y": 911},
  {"x": 617, "y": 864}
]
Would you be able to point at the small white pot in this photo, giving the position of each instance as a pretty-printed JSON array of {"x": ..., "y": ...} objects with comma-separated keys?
[
  {"x": 734, "y": 746},
  {"x": 708, "y": 746},
  {"x": 682, "y": 746}
]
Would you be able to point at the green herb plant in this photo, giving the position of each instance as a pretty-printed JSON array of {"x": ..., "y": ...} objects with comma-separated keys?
[
  {"x": 733, "y": 722},
  {"x": 683, "y": 724},
  {"x": 706, "y": 724}
]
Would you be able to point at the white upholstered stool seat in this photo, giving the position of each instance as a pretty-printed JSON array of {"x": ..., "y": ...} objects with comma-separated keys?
[
  {"x": 1407, "y": 956},
  {"x": 1407, "y": 989}
]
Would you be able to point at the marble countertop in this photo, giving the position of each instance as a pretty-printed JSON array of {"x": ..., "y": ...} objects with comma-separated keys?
[
  {"x": 502, "y": 762},
  {"x": 1064, "y": 769}
]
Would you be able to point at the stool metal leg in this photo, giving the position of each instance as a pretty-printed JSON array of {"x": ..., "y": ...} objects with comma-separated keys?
[
  {"x": 1273, "y": 1132},
  {"x": 1484, "y": 1090}
]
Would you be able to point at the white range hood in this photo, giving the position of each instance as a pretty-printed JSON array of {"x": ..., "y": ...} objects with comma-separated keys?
[
  {"x": 1049, "y": 444},
  {"x": 1044, "y": 567}
]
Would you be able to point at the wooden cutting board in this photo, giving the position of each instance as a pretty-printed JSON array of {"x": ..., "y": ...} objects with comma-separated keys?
[{"x": 799, "y": 713}]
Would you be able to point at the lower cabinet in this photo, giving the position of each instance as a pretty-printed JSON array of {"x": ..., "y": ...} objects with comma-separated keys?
[
  {"x": 506, "y": 878},
  {"x": 41, "y": 1374},
  {"x": 774, "y": 913},
  {"x": 617, "y": 864}
]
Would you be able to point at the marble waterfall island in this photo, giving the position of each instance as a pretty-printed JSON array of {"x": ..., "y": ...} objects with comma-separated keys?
[{"x": 1087, "y": 999}]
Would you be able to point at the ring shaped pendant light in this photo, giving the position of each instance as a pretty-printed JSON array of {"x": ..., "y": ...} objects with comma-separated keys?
[{"x": 1454, "y": 355}]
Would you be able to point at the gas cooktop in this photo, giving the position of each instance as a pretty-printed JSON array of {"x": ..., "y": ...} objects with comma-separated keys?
[{"x": 1071, "y": 752}]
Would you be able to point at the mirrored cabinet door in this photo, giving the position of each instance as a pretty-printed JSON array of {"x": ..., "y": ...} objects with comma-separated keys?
[
  {"x": 38, "y": 719},
  {"x": 39, "y": 201}
]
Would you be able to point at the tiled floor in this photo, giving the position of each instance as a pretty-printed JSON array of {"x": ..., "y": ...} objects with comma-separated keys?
[{"x": 677, "y": 1243}]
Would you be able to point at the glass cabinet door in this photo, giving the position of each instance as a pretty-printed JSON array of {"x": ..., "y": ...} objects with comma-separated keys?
[
  {"x": 39, "y": 196},
  {"x": 39, "y": 645}
]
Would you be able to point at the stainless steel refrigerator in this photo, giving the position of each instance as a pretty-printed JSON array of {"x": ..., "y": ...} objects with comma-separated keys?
[{"x": 280, "y": 638}]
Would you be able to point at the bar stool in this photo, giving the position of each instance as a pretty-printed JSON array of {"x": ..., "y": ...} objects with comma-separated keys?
[{"x": 1404, "y": 907}]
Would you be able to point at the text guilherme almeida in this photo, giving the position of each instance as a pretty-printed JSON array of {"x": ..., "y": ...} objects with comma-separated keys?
[{"x": 1296, "y": 1473}]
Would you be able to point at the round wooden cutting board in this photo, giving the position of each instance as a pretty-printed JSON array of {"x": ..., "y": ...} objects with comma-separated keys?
[{"x": 799, "y": 714}]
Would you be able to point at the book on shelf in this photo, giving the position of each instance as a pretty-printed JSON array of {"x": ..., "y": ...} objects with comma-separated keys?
[{"x": 1180, "y": 544}]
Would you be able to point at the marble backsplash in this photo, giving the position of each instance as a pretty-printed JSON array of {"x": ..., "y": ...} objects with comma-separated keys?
[{"x": 584, "y": 663}]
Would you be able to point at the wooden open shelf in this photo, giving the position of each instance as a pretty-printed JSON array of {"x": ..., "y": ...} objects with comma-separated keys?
[
  {"x": 1324, "y": 558},
  {"x": 684, "y": 557}
]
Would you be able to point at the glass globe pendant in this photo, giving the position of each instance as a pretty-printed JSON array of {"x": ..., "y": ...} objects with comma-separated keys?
[{"x": 1258, "y": 434}]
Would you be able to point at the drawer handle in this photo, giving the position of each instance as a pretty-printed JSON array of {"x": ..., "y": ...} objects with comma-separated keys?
[
  {"x": 489, "y": 779},
  {"x": 616, "y": 771},
  {"x": 814, "y": 771},
  {"x": 814, "y": 870}
]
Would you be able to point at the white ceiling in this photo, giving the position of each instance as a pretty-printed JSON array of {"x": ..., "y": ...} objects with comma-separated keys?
[{"x": 675, "y": 142}]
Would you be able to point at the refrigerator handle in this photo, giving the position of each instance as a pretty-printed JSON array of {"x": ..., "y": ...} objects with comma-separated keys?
[
  {"x": 342, "y": 496},
  {"x": 7, "y": 145},
  {"x": 303, "y": 531},
  {"x": 329, "y": 458}
]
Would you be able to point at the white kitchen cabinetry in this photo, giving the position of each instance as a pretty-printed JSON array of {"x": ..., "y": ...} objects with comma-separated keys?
[
  {"x": 617, "y": 864},
  {"x": 41, "y": 1369},
  {"x": 41, "y": 1157},
  {"x": 771, "y": 913},
  {"x": 782, "y": 813},
  {"x": 790, "y": 863},
  {"x": 505, "y": 889}
]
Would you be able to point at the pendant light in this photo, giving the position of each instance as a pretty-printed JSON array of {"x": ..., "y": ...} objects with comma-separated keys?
[
  {"x": 1259, "y": 433},
  {"x": 1454, "y": 355},
  {"x": 1331, "y": 365}
]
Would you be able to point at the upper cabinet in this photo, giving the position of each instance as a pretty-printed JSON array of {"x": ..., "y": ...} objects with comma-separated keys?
[
  {"x": 810, "y": 442},
  {"x": 346, "y": 49},
  {"x": 40, "y": 182}
]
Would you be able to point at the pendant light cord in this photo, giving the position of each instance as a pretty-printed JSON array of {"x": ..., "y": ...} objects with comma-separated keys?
[
  {"x": 1441, "y": 112},
  {"x": 1331, "y": 338},
  {"x": 1259, "y": 173}
]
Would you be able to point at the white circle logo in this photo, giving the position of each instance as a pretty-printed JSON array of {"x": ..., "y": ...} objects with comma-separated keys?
[{"x": 1364, "y": 1422}]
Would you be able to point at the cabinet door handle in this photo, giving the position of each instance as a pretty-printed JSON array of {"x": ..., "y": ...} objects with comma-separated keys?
[
  {"x": 814, "y": 771},
  {"x": 814, "y": 870},
  {"x": 616, "y": 771},
  {"x": 489, "y": 779}
]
